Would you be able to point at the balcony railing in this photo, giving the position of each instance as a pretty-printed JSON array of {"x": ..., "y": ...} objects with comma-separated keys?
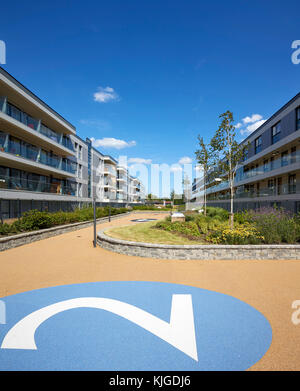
[
  {"x": 34, "y": 124},
  {"x": 109, "y": 195},
  {"x": 111, "y": 169},
  {"x": 8, "y": 182},
  {"x": 263, "y": 192},
  {"x": 270, "y": 165},
  {"x": 20, "y": 148}
]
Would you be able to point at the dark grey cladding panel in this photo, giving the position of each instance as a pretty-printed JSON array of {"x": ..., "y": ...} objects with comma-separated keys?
[
  {"x": 251, "y": 149},
  {"x": 266, "y": 138},
  {"x": 288, "y": 124}
]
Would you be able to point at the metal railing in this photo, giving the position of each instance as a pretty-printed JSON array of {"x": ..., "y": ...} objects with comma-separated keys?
[
  {"x": 263, "y": 192},
  {"x": 34, "y": 124},
  {"x": 14, "y": 183}
]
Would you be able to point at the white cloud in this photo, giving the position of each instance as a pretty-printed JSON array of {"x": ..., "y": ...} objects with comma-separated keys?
[
  {"x": 251, "y": 128},
  {"x": 110, "y": 142},
  {"x": 250, "y": 123},
  {"x": 139, "y": 160},
  {"x": 105, "y": 94},
  {"x": 185, "y": 160},
  {"x": 252, "y": 119}
]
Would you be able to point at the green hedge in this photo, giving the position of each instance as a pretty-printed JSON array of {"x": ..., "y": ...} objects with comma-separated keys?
[
  {"x": 34, "y": 219},
  {"x": 150, "y": 207}
]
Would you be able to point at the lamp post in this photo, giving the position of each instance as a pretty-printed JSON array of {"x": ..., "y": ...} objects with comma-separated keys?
[{"x": 95, "y": 233}]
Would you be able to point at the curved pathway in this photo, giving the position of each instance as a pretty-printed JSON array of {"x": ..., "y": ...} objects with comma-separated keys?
[{"x": 268, "y": 286}]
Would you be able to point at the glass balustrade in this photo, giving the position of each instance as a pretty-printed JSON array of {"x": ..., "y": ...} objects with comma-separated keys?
[
  {"x": 269, "y": 165},
  {"x": 262, "y": 192},
  {"x": 33, "y": 123},
  {"x": 25, "y": 150},
  {"x": 17, "y": 183},
  {"x": 111, "y": 169}
]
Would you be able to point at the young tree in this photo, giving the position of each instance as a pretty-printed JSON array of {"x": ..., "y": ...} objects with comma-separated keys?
[
  {"x": 228, "y": 152},
  {"x": 205, "y": 158},
  {"x": 172, "y": 196}
]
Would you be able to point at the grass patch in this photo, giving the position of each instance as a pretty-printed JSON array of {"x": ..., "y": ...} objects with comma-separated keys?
[{"x": 145, "y": 232}]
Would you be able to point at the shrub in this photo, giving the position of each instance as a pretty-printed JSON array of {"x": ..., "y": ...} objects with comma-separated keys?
[
  {"x": 150, "y": 207},
  {"x": 243, "y": 217},
  {"x": 35, "y": 219},
  {"x": 213, "y": 212},
  {"x": 5, "y": 229},
  {"x": 275, "y": 225},
  {"x": 189, "y": 228},
  {"x": 243, "y": 234}
]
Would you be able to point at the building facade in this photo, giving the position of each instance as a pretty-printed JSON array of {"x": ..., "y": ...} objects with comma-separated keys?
[
  {"x": 270, "y": 172},
  {"x": 44, "y": 164}
]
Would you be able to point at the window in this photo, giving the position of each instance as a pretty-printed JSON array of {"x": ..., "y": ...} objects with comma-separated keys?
[
  {"x": 284, "y": 158},
  {"x": 276, "y": 129},
  {"x": 257, "y": 144},
  {"x": 245, "y": 154},
  {"x": 15, "y": 146},
  {"x": 279, "y": 186},
  {"x": 80, "y": 152},
  {"x": 2, "y": 141},
  {"x": 266, "y": 165},
  {"x": 79, "y": 171},
  {"x": 293, "y": 155},
  {"x": 298, "y": 118},
  {"x": 49, "y": 133},
  {"x": 292, "y": 184}
]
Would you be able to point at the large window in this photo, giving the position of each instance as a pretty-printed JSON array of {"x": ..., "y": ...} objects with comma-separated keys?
[
  {"x": 276, "y": 130},
  {"x": 298, "y": 118},
  {"x": 258, "y": 144},
  {"x": 2, "y": 141},
  {"x": 15, "y": 146},
  {"x": 19, "y": 115},
  {"x": 293, "y": 155},
  {"x": 284, "y": 158},
  {"x": 292, "y": 184},
  {"x": 50, "y": 133},
  {"x": 266, "y": 165}
]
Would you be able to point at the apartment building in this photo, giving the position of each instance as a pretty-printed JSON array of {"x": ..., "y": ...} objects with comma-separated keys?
[
  {"x": 270, "y": 171},
  {"x": 44, "y": 164}
]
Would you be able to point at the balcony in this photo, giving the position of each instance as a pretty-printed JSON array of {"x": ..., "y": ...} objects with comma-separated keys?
[
  {"x": 109, "y": 169},
  {"x": 19, "y": 148},
  {"x": 109, "y": 195},
  {"x": 282, "y": 160},
  {"x": 282, "y": 190},
  {"x": 14, "y": 183},
  {"x": 35, "y": 125}
]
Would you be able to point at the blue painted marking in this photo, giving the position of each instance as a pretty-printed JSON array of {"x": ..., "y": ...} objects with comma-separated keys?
[{"x": 230, "y": 334}]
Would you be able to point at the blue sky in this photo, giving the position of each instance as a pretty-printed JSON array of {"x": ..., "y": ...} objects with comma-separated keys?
[{"x": 162, "y": 71}]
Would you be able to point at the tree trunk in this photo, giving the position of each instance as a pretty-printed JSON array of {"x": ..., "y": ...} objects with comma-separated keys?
[
  {"x": 231, "y": 204},
  {"x": 205, "y": 195}
]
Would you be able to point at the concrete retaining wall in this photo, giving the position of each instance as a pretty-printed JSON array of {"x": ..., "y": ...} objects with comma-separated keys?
[{"x": 205, "y": 252}]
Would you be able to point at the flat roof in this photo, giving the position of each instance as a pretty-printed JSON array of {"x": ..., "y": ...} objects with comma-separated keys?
[
  {"x": 25, "y": 89},
  {"x": 273, "y": 116}
]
